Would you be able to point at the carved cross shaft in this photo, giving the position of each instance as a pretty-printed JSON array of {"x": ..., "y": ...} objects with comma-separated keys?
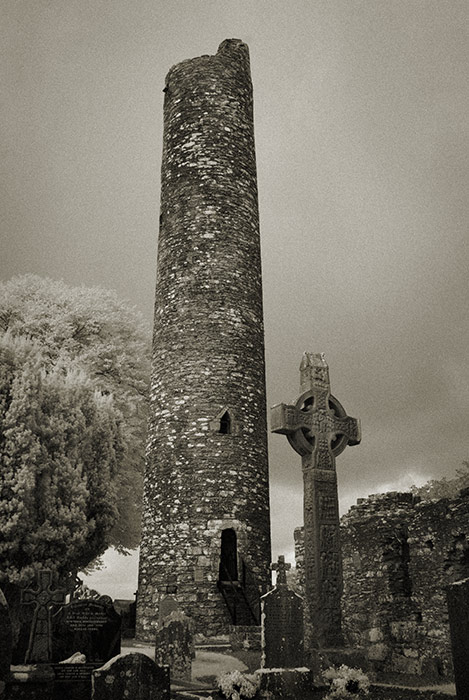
[
  {"x": 40, "y": 638},
  {"x": 319, "y": 429}
]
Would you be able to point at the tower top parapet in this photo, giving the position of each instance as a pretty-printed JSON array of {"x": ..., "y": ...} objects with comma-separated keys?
[{"x": 233, "y": 52}]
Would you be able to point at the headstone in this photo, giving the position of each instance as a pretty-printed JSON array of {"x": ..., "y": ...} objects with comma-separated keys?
[
  {"x": 72, "y": 679},
  {"x": 126, "y": 609},
  {"x": 174, "y": 645},
  {"x": 91, "y": 627},
  {"x": 133, "y": 676},
  {"x": 282, "y": 624},
  {"x": 457, "y": 595},
  {"x": 5, "y": 643},
  {"x": 167, "y": 605},
  {"x": 318, "y": 428},
  {"x": 44, "y": 598},
  {"x": 86, "y": 634}
]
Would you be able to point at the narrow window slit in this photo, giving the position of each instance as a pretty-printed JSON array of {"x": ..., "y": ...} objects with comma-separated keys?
[{"x": 225, "y": 424}]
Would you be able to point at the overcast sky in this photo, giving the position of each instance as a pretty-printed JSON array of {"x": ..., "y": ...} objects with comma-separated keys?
[{"x": 362, "y": 151}]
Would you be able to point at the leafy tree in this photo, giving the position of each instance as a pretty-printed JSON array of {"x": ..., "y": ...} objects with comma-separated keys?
[
  {"x": 60, "y": 445},
  {"x": 445, "y": 488},
  {"x": 90, "y": 331}
]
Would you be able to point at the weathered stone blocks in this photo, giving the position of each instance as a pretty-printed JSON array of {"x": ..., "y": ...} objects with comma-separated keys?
[
  {"x": 398, "y": 555},
  {"x": 207, "y": 445}
]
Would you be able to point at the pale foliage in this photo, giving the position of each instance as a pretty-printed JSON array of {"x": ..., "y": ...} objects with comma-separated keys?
[
  {"x": 346, "y": 682},
  {"x": 91, "y": 331},
  {"x": 60, "y": 445},
  {"x": 444, "y": 488},
  {"x": 236, "y": 685}
]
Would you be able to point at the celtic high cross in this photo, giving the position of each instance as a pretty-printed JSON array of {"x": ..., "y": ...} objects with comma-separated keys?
[
  {"x": 43, "y": 597},
  {"x": 318, "y": 428}
]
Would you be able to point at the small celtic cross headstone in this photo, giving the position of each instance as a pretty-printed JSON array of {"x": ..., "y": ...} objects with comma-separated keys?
[
  {"x": 40, "y": 638},
  {"x": 281, "y": 567},
  {"x": 319, "y": 429},
  {"x": 281, "y": 623}
]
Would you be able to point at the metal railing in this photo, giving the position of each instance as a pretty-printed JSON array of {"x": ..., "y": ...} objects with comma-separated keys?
[{"x": 245, "y": 595}]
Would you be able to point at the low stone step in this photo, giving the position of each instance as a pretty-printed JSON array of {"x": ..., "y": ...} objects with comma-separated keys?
[{"x": 219, "y": 648}]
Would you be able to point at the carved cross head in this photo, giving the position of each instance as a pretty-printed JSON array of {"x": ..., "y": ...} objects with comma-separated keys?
[
  {"x": 281, "y": 567},
  {"x": 43, "y": 595},
  {"x": 317, "y": 424}
]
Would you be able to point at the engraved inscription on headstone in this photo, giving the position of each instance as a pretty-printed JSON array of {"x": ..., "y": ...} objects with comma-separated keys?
[
  {"x": 73, "y": 673},
  {"x": 86, "y": 617},
  {"x": 91, "y": 627},
  {"x": 318, "y": 428}
]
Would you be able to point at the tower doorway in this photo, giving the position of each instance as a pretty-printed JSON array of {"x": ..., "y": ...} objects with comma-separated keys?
[{"x": 228, "y": 556}]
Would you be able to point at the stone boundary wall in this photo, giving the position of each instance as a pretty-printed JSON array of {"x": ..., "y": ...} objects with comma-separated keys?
[{"x": 398, "y": 555}]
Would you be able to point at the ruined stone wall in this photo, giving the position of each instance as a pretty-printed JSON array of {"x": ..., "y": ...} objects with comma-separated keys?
[
  {"x": 378, "y": 609},
  {"x": 398, "y": 555},
  {"x": 207, "y": 447}
]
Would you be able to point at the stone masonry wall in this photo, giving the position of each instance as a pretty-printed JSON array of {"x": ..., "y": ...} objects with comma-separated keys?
[
  {"x": 398, "y": 555},
  {"x": 206, "y": 471}
]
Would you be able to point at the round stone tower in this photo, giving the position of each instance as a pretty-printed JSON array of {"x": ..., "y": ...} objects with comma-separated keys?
[{"x": 206, "y": 529}]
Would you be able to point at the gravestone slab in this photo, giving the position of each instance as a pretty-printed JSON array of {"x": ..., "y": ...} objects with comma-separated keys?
[
  {"x": 126, "y": 609},
  {"x": 282, "y": 624},
  {"x": 5, "y": 643},
  {"x": 457, "y": 596},
  {"x": 86, "y": 630},
  {"x": 91, "y": 627},
  {"x": 174, "y": 645},
  {"x": 168, "y": 605},
  {"x": 133, "y": 676}
]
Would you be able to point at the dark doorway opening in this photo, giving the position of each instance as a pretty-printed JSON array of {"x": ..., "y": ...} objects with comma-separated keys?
[{"x": 228, "y": 556}]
